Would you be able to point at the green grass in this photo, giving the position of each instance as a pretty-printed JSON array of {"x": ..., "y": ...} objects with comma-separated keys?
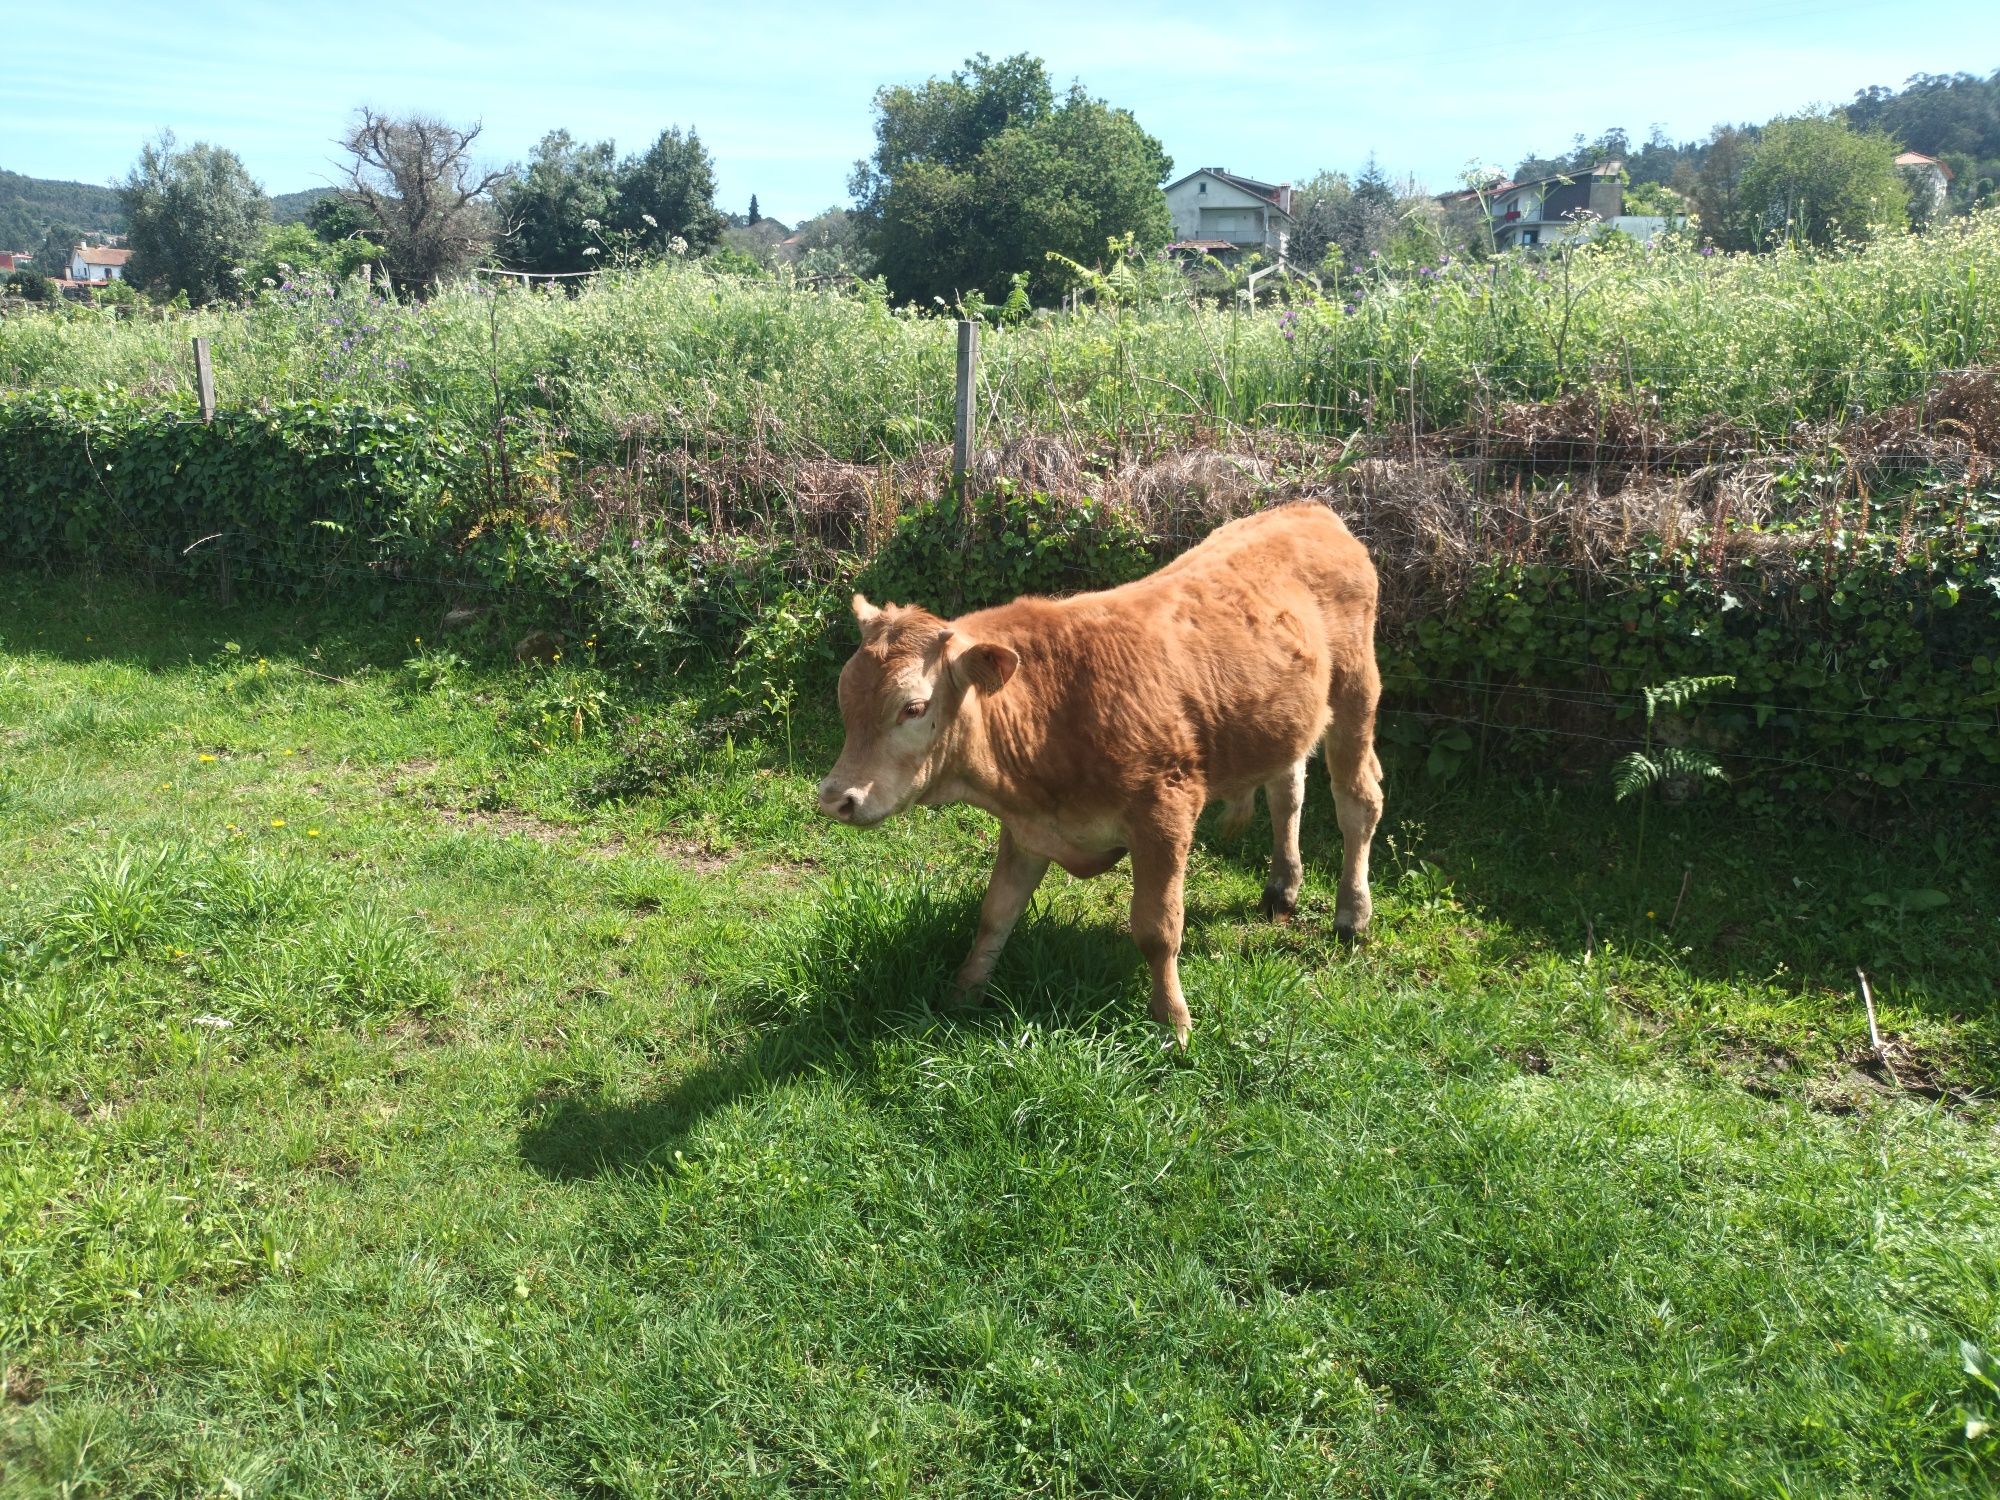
[
  {"x": 676, "y": 355},
  {"x": 567, "y": 1145}
]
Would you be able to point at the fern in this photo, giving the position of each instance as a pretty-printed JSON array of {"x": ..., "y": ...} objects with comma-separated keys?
[
  {"x": 1640, "y": 770},
  {"x": 1649, "y": 765},
  {"x": 1679, "y": 692}
]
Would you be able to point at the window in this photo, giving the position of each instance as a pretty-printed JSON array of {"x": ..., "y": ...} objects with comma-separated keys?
[
  {"x": 1531, "y": 236},
  {"x": 1201, "y": 187}
]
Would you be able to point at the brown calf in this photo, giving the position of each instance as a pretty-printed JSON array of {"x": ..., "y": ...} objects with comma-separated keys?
[{"x": 1104, "y": 723}]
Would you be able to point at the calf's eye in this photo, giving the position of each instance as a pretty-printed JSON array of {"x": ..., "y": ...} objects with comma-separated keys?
[{"x": 915, "y": 710}]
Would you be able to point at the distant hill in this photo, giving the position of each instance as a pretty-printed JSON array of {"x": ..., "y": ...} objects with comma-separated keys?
[
  {"x": 28, "y": 205},
  {"x": 291, "y": 208}
]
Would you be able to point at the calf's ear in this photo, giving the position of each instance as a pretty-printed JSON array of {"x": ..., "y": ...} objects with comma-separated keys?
[
  {"x": 981, "y": 664},
  {"x": 866, "y": 615}
]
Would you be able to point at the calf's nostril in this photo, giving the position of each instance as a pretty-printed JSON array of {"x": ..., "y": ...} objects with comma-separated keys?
[{"x": 847, "y": 805}]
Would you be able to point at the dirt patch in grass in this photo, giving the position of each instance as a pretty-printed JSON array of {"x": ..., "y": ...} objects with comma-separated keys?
[
  {"x": 20, "y": 1385},
  {"x": 689, "y": 854}
]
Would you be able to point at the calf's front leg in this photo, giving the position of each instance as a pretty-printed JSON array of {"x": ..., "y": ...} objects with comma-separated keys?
[
  {"x": 1016, "y": 873},
  {"x": 1159, "y": 867}
]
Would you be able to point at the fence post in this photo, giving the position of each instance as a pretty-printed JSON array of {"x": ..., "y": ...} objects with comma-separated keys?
[
  {"x": 204, "y": 379},
  {"x": 965, "y": 412}
]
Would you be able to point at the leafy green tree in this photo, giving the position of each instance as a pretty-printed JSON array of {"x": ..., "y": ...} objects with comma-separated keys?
[
  {"x": 754, "y": 214},
  {"x": 195, "y": 216},
  {"x": 1317, "y": 204},
  {"x": 337, "y": 217},
  {"x": 1812, "y": 179},
  {"x": 669, "y": 192},
  {"x": 548, "y": 205},
  {"x": 1718, "y": 188},
  {"x": 986, "y": 173},
  {"x": 1362, "y": 224},
  {"x": 290, "y": 252},
  {"x": 29, "y": 286},
  {"x": 52, "y": 255},
  {"x": 829, "y": 245}
]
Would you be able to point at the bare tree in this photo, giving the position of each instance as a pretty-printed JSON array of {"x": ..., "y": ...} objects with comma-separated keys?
[{"x": 414, "y": 177}]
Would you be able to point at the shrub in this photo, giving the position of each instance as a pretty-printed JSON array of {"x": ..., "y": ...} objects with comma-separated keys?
[
  {"x": 1863, "y": 662},
  {"x": 295, "y": 496}
]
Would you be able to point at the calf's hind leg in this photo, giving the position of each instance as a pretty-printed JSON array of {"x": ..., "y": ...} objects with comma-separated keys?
[
  {"x": 1357, "y": 789},
  {"x": 1286, "y": 797}
]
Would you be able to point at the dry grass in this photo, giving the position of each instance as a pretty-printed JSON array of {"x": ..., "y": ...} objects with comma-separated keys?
[{"x": 1576, "y": 482}]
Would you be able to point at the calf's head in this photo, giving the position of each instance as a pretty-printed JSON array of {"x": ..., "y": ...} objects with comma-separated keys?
[{"x": 900, "y": 698}]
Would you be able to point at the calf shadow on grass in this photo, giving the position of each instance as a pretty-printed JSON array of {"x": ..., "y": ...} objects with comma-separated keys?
[{"x": 870, "y": 966}]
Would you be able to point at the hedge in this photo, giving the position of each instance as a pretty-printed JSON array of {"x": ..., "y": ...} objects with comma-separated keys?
[{"x": 1865, "y": 660}]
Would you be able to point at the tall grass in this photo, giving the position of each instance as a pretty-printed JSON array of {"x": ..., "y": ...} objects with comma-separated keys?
[{"x": 678, "y": 354}]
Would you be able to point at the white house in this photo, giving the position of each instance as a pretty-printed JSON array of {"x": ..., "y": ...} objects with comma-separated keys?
[
  {"x": 1929, "y": 179},
  {"x": 1217, "y": 213},
  {"x": 97, "y": 263}
]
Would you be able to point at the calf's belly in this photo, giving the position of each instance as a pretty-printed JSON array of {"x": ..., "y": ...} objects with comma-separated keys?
[{"x": 1083, "y": 849}]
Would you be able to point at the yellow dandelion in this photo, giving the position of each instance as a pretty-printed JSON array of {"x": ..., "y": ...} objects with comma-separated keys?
[
  {"x": 312, "y": 833},
  {"x": 1649, "y": 916},
  {"x": 291, "y": 752},
  {"x": 204, "y": 759},
  {"x": 277, "y": 822},
  {"x": 165, "y": 785}
]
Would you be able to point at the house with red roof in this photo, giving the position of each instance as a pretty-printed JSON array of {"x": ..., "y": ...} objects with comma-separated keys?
[{"x": 97, "y": 263}]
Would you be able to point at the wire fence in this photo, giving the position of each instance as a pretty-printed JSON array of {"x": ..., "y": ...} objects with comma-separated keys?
[{"x": 1588, "y": 488}]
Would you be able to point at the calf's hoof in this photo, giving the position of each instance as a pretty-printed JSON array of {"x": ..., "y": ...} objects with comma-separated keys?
[{"x": 1279, "y": 907}]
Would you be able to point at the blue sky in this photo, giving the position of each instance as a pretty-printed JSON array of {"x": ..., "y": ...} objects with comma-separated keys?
[{"x": 780, "y": 91}]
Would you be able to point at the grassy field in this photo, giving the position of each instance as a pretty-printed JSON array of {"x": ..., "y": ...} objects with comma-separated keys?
[
  {"x": 589, "y": 1120},
  {"x": 677, "y": 355}
]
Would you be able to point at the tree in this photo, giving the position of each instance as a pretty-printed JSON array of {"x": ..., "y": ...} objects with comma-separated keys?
[
  {"x": 1316, "y": 207},
  {"x": 1363, "y": 224},
  {"x": 547, "y": 206},
  {"x": 669, "y": 192},
  {"x": 1718, "y": 188},
  {"x": 829, "y": 245},
  {"x": 336, "y": 217},
  {"x": 290, "y": 252},
  {"x": 754, "y": 215},
  {"x": 52, "y": 256},
  {"x": 425, "y": 201},
  {"x": 1813, "y": 180},
  {"x": 985, "y": 174},
  {"x": 195, "y": 216},
  {"x": 29, "y": 286}
]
